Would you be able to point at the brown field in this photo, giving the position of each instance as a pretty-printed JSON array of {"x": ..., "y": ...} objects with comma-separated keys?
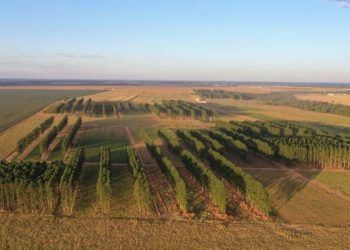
[
  {"x": 157, "y": 93},
  {"x": 336, "y": 98},
  {"x": 9, "y": 137},
  {"x": 255, "y": 110},
  {"x": 19, "y": 232}
]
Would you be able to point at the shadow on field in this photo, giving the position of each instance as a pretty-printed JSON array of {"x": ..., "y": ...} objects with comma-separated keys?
[
  {"x": 223, "y": 109},
  {"x": 282, "y": 184}
]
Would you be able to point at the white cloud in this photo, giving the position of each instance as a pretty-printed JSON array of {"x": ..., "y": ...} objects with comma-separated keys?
[{"x": 343, "y": 3}]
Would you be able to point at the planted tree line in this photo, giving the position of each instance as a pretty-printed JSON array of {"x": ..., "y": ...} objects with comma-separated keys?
[
  {"x": 68, "y": 140},
  {"x": 142, "y": 188},
  {"x": 293, "y": 143},
  {"x": 30, "y": 187},
  {"x": 51, "y": 136},
  {"x": 103, "y": 186},
  {"x": 222, "y": 94},
  {"x": 69, "y": 181},
  {"x": 203, "y": 174},
  {"x": 252, "y": 189},
  {"x": 171, "y": 172},
  {"x": 23, "y": 143}
]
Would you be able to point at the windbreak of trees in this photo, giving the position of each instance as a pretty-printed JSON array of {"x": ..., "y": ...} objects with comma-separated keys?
[
  {"x": 222, "y": 94},
  {"x": 181, "y": 108},
  {"x": 192, "y": 141},
  {"x": 252, "y": 189},
  {"x": 69, "y": 105},
  {"x": 48, "y": 139},
  {"x": 30, "y": 187},
  {"x": 232, "y": 145},
  {"x": 68, "y": 140},
  {"x": 23, "y": 143},
  {"x": 293, "y": 142},
  {"x": 87, "y": 106},
  {"x": 171, "y": 172},
  {"x": 142, "y": 188},
  {"x": 62, "y": 124},
  {"x": 207, "y": 140},
  {"x": 99, "y": 109},
  {"x": 171, "y": 140},
  {"x": 255, "y": 144},
  {"x": 290, "y": 100},
  {"x": 78, "y": 106},
  {"x": 216, "y": 187},
  {"x": 103, "y": 186},
  {"x": 203, "y": 174},
  {"x": 69, "y": 181}
]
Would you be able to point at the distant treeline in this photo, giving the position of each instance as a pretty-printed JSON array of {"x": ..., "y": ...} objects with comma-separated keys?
[
  {"x": 183, "y": 108},
  {"x": 107, "y": 109},
  {"x": 222, "y": 94},
  {"x": 97, "y": 109},
  {"x": 28, "y": 82},
  {"x": 290, "y": 100},
  {"x": 279, "y": 98}
]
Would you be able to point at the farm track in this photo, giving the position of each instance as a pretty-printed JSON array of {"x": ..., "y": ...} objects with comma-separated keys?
[
  {"x": 293, "y": 171},
  {"x": 312, "y": 182},
  {"x": 160, "y": 187},
  {"x": 200, "y": 201},
  {"x": 300, "y": 169}
]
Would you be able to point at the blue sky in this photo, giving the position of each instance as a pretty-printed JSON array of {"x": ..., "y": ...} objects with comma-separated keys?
[{"x": 270, "y": 40}]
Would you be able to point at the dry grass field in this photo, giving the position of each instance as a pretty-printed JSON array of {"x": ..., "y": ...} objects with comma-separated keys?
[
  {"x": 9, "y": 137},
  {"x": 21, "y": 231},
  {"x": 331, "y": 98},
  {"x": 251, "y": 110}
]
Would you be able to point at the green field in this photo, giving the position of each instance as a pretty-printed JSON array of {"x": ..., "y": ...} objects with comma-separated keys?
[
  {"x": 337, "y": 180},
  {"x": 105, "y": 133},
  {"x": 17, "y": 104}
]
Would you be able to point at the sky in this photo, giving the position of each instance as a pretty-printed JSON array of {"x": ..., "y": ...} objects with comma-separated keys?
[{"x": 198, "y": 40}]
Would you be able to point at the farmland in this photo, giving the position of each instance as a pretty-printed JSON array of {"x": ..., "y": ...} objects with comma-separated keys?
[
  {"x": 148, "y": 162},
  {"x": 18, "y": 104}
]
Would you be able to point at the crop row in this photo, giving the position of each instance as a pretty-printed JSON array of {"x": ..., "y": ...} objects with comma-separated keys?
[
  {"x": 103, "y": 186},
  {"x": 142, "y": 188},
  {"x": 171, "y": 172},
  {"x": 203, "y": 174},
  {"x": 253, "y": 190},
  {"x": 23, "y": 143}
]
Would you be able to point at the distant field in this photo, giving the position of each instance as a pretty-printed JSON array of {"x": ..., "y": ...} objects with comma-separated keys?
[
  {"x": 153, "y": 94},
  {"x": 260, "y": 111},
  {"x": 16, "y": 104},
  {"x": 144, "y": 94},
  {"x": 336, "y": 98}
]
